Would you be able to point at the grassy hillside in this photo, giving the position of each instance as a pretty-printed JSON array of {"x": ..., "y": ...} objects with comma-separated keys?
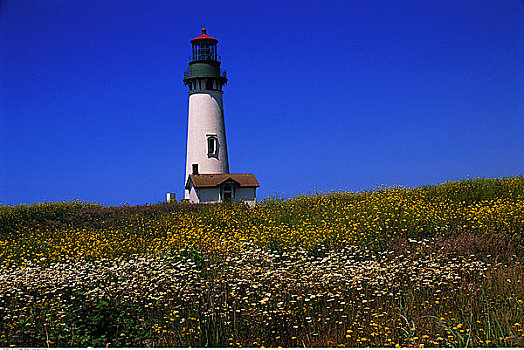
[{"x": 434, "y": 266}]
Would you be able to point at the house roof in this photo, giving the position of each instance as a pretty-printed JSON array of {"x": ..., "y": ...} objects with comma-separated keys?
[{"x": 214, "y": 180}]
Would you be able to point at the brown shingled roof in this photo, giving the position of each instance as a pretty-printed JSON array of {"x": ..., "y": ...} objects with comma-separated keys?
[{"x": 214, "y": 180}]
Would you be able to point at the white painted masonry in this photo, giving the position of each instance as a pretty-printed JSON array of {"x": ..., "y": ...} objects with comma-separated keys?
[{"x": 206, "y": 117}]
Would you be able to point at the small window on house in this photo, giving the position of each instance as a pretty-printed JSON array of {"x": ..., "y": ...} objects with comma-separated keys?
[
  {"x": 228, "y": 193},
  {"x": 212, "y": 146}
]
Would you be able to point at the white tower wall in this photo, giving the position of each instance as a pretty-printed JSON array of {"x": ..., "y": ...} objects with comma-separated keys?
[{"x": 206, "y": 119}]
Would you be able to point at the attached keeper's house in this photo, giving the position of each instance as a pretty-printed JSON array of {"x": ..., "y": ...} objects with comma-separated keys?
[{"x": 213, "y": 188}]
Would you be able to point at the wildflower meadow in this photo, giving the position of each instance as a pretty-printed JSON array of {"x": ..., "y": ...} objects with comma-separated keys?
[{"x": 436, "y": 266}]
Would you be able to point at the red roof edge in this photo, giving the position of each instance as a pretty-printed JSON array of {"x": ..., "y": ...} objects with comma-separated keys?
[{"x": 204, "y": 36}]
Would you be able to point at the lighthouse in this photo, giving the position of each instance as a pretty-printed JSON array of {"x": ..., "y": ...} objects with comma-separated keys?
[{"x": 207, "y": 166}]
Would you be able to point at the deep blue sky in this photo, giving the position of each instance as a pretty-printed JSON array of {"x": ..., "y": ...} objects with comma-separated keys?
[{"x": 321, "y": 94}]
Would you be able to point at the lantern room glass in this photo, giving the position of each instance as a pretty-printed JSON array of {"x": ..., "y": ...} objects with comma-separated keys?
[{"x": 204, "y": 51}]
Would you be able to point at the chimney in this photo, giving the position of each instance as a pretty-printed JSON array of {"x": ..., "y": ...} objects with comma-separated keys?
[{"x": 195, "y": 169}]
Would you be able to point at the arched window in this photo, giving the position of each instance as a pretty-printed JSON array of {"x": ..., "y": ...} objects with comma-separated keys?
[{"x": 212, "y": 146}]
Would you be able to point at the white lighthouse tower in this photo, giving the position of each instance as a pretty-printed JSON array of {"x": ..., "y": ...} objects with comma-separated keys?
[
  {"x": 206, "y": 131},
  {"x": 206, "y": 134}
]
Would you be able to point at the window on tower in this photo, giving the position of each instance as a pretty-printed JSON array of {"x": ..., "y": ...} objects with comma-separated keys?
[{"x": 212, "y": 146}]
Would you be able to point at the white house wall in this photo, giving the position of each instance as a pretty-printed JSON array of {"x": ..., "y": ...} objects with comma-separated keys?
[{"x": 192, "y": 194}]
